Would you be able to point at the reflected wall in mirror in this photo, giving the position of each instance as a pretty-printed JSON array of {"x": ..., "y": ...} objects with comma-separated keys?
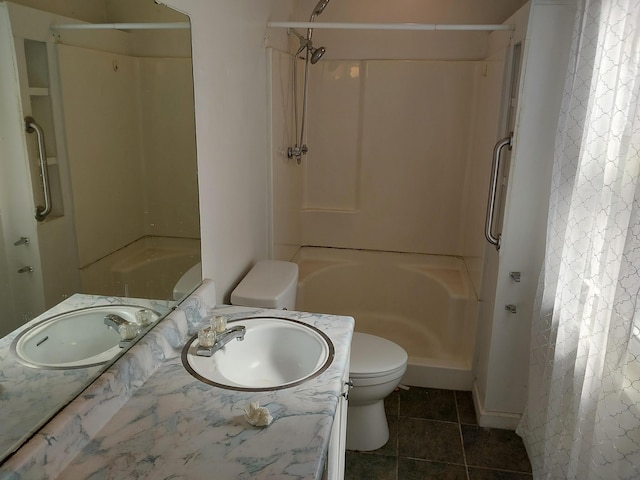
[{"x": 116, "y": 111}]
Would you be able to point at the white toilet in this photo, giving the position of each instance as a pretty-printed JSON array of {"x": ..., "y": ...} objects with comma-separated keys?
[
  {"x": 377, "y": 364},
  {"x": 188, "y": 282}
]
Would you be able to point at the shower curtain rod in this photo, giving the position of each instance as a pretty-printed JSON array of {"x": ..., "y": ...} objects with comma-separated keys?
[
  {"x": 389, "y": 26},
  {"x": 122, "y": 26}
]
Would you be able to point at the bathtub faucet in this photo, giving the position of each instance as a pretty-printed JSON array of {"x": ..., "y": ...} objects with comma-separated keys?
[{"x": 222, "y": 339}]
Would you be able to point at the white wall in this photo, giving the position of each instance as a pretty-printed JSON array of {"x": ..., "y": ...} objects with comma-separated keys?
[
  {"x": 345, "y": 44},
  {"x": 24, "y": 292},
  {"x": 230, "y": 77},
  {"x": 131, "y": 148},
  {"x": 22, "y": 295},
  {"x": 388, "y": 151},
  {"x": 285, "y": 174},
  {"x": 401, "y": 135},
  {"x": 485, "y": 130},
  {"x": 503, "y": 338},
  {"x": 104, "y": 149},
  {"x": 150, "y": 43},
  {"x": 93, "y": 11},
  {"x": 167, "y": 125}
]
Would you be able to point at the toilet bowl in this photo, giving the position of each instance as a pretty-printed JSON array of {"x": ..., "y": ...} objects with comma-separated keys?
[{"x": 377, "y": 364}]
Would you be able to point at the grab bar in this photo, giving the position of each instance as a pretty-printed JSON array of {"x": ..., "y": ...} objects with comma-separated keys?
[
  {"x": 31, "y": 126},
  {"x": 491, "y": 204}
]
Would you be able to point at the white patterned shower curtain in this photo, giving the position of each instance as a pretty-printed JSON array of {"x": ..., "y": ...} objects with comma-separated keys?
[{"x": 582, "y": 420}]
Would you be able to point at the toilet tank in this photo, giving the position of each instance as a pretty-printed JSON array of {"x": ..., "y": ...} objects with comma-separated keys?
[{"x": 269, "y": 284}]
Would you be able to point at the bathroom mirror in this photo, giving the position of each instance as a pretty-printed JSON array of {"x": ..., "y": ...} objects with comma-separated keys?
[{"x": 115, "y": 108}]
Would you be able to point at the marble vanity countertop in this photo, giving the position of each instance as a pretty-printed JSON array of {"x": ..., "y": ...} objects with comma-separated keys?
[
  {"x": 167, "y": 424},
  {"x": 29, "y": 396}
]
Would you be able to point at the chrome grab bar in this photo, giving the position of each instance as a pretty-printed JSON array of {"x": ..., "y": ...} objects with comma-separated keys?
[
  {"x": 31, "y": 126},
  {"x": 491, "y": 204}
]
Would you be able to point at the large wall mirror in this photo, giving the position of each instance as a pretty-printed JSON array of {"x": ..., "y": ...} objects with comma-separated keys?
[{"x": 115, "y": 107}]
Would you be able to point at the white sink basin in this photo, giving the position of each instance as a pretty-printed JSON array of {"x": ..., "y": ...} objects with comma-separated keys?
[
  {"x": 75, "y": 339},
  {"x": 275, "y": 353}
]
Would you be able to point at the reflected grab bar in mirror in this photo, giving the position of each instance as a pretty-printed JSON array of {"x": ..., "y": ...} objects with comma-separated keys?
[
  {"x": 493, "y": 187},
  {"x": 31, "y": 126}
]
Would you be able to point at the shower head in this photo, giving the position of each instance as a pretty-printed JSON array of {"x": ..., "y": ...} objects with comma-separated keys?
[
  {"x": 321, "y": 5},
  {"x": 316, "y": 54}
]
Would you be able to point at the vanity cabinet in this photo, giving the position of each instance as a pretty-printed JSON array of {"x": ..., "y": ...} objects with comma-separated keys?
[{"x": 334, "y": 468}]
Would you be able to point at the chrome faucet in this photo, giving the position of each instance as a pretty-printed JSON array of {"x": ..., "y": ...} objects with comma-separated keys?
[
  {"x": 222, "y": 339},
  {"x": 116, "y": 322}
]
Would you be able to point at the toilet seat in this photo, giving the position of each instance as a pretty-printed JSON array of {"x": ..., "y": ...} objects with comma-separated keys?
[{"x": 375, "y": 360}]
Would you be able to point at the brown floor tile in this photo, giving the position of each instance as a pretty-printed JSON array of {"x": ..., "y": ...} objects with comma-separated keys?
[
  {"x": 485, "y": 474},
  {"x": 424, "y": 442},
  {"x": 495, "y": 449},
  {"x": 466, "y": 409},
  {"x": 429, "y": 440},
  {"x": 360, "y": 466},
  {"x": 411, "y": 469},
  {"x": 428, "y": 403}
]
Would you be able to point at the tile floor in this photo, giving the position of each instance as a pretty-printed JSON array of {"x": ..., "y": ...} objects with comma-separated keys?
[{"x": 433, "y": 434}]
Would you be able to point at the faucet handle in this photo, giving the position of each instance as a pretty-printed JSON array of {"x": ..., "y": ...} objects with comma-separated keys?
[
  {"x": 219, "y": 323},
  {"x": 128, "y": 331},
  {"x": 206, "y": 337}
]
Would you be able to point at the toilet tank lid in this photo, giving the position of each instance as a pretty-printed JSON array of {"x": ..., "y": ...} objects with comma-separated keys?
[
  {"x": 267, "y": 282},
  {"x": 375, "y": 355}
]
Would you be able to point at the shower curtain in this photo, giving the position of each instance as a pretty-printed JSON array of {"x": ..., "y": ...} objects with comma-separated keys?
[{"x": 582, "y": 420}]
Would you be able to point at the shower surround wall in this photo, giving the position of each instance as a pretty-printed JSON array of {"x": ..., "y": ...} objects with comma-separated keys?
[
  {"x": 129, "y": 125},
  {"x": 399, "y": 147},
  {"x": 401, "y": 128},
  {"x": 285, "y": 175},
  {"x": 389, "y": 145}
]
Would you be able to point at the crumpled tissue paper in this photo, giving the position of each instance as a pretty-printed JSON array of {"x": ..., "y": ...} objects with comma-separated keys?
[{"x": 257, "y": 415}]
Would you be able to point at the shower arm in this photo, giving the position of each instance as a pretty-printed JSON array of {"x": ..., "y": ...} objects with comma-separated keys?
[{"x": 304, "y": 42}]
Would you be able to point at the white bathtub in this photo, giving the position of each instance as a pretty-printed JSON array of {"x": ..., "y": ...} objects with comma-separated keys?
[
  {"x": 425, "y": 303},
  {"x": 147, "y": 268}
]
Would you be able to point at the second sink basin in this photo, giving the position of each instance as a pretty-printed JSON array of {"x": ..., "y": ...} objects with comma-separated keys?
[
  {"x": 75, "y": 339},
  {"x": 275, "y": 353}
]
